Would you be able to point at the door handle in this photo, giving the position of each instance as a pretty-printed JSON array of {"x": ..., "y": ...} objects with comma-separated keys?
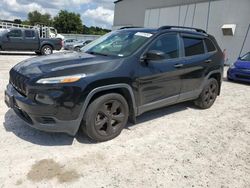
[
  {"x": 208, "y": 61},
  {"x": 178, "y": 65}
]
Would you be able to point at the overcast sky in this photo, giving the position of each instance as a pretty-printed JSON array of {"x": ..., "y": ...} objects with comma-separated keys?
[{"x": 93, "y": 12}]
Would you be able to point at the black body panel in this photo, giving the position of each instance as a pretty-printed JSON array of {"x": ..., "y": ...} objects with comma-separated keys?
[{"x": 146, "y": 83}]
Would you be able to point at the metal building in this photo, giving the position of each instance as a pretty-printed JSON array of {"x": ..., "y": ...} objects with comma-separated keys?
[{"x": 227, "y": 20}]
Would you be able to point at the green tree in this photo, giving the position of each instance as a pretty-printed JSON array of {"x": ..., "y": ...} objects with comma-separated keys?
[
  {"x": 36, "y": 17},
  {"x": 68, "y": 22},
  {"x": 94, "y": 30}
]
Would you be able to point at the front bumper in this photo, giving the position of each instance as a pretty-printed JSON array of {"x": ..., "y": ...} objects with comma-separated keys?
[
  {"x": 239, "y": 74},
  {"x": 30, "y": 112}
]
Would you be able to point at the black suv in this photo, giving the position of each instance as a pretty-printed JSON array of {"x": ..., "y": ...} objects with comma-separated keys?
[{"x": 115, "y": 79}]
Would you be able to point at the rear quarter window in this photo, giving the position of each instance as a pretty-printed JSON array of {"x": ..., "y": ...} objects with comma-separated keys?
[
  {"x": 210, "y": 45},
  {"x": 193, "y": 46}
]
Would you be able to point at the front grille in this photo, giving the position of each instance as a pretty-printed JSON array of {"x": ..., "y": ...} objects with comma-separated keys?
[{"x": 18, "y": 81}]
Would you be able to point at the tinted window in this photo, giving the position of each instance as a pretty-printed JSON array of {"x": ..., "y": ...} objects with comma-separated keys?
[
  {"x": 167, "y": 44},
  {"x": 15, "y": 33},
  {"x": 193, "y": 46},
  {"x": 210, "y": 45},
  {"x": 29, "y": 34}
]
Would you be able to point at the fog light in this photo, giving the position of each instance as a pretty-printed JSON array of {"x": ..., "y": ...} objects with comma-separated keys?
[{"x": 45, "y": 99}]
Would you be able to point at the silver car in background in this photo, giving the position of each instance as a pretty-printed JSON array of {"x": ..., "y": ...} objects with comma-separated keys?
[{"x": 68, "y": 43}]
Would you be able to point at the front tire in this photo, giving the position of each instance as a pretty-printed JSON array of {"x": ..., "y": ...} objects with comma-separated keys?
[
  {"x": 208, "y": 94},
  {"x": 105, "y": 117},
  {"x": 47, "y": 50}
]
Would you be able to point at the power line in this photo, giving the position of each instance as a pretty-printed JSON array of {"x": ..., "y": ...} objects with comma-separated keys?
[
  {"x": 179, "y": 16},
  {"x": 194, "y": 14},
  {"x": 208, "y": 14},
  {"x": 186, "y": 15},
  {"x": 244, "y": 40}
]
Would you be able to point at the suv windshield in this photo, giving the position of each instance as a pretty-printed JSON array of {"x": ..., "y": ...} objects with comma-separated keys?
[
  {"x": 117, "y": 43},
  {"x": 246, "y": 57}
]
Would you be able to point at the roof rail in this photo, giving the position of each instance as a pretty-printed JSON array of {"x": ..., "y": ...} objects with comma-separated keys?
[
  {"x": 129, "y": 27},
  {"x": 117, "y": 1},
  {"x": 184, "y": 28}
]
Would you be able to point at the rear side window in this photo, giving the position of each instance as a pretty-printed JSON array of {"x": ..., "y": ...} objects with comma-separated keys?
[
  {"x": 210, "y": 45},
  {"x": 29, "y": 34},
  {"x": 15, "y": 33},
  {"x": 167, "y": 44},
  {"x": 193, "y": 46}
]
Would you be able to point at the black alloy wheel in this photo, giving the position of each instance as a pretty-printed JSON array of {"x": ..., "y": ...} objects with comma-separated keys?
[
  {"x": 105, "y": 117},
  {"x": 208, "y": 95}
]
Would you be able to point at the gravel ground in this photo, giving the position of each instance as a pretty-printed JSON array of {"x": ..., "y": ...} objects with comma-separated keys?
[{"x": 177, "y": 146}]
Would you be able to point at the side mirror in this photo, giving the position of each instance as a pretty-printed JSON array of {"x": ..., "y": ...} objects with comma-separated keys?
[{"x": 153, "y": 55}]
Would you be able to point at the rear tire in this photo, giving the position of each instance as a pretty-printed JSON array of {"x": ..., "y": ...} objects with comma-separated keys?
[
  {"x": 208, "y": 94},
  {"x": 47, "y": 50},
  {"x": 105, "y": 117}
]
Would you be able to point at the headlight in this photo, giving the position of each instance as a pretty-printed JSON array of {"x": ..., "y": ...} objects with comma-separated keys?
[{"x": 61, "y": 79}]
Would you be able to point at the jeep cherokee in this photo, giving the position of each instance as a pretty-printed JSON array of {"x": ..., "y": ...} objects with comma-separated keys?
[{"x": 115, "y": 79}]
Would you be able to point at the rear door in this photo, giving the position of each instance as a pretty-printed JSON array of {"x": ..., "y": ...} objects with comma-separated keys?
[
  {"x": 160, "y": 80},
  {"x": 30, "y": 40},
  {"x": 195, "y": 65}
]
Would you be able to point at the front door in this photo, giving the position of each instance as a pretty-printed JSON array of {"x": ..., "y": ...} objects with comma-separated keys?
[
  {"x": 160, "y": 80},
  {"x": 13, "y": 40}
]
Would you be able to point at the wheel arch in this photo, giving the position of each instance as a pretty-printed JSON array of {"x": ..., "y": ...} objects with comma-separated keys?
[
  {"x": 47, "y": 44},
  {"x": 123, "y": 89},
  {"x": 217, "y": 75}
]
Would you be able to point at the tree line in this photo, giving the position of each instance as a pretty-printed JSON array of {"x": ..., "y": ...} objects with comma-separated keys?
[{"x": 64, "y": 22}]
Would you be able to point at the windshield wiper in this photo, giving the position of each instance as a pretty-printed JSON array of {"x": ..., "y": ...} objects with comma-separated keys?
[{"x": 97, "y": 53}]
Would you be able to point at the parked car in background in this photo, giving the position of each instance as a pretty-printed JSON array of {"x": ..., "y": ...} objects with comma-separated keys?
[
  {"x": 240, "y": 70},
  {"x": 116, "y": 78},
  {"x": 19, "y": 39},
  {"x": 68, "y": 43},
  {"x": 78, "y": 46}
]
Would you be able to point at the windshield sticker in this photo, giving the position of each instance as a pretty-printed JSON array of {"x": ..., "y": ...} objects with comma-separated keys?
[{"x": 147, "y": 35}]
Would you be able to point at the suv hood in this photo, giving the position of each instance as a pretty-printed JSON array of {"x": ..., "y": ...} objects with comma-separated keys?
[
  {"x": 76, "y": 62},
  {"x": 242, "y": 64}
]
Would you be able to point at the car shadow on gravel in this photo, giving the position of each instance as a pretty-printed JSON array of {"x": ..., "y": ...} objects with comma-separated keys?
[
  {"x": 12, "y": 123},
  {"x": 158, "y": 113},
  {"x": 17, "y": 126}
]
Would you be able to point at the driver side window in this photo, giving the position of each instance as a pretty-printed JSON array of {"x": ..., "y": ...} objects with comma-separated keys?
[
  {"x": 168, "y": 44},
  {"x": 15, "y": 33}
]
